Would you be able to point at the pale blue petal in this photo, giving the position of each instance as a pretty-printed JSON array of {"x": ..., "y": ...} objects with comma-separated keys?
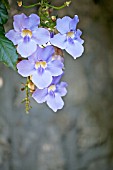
[
  {"x": 32, "y": 22},
  {"x": 14, "y": 36},
  {"x": 75, "y": 49},
  {"x": 59, "y": 40},
  {"x": 61, "y": 88},
  {"x": 79, "y": 32},
  {"x": 42, "y": 80},
  {"x": 41, "y": 36},
  {"x": 35, "y": 56},
  {"x": 40, "y": 70},
  {"x": 63, "y": 25},
  {"x": 19, "y": 22},
  {"x": 58, "y": 57},
  {"x": 26, "y": 49},
  {"x": 55, "y": 102},
  {"x": 25, "y": 68},
  {"x": 73, "y": 23},
  {"x": 40, "y": 95},
  {"x": 45, "y": 54},
  {"x": 70, "y": 41},
  {"x": 56, "y": 79},
  {"x": 55, "y": 67},
  {"x": 77, "y": 36}
]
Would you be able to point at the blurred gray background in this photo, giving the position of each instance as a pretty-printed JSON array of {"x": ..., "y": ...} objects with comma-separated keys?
[{"x": 79, "y": 137}]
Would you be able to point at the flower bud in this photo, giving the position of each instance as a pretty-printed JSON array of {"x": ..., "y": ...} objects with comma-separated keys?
[
  {"x": 19, "y": 3},
  {"x": 53, "y": 18},
  {"x": 67, "y": 3},
  {"x": 31, "y": 86}
]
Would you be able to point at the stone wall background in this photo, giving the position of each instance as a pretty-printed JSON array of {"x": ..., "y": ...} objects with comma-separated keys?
[{"x": 79, "y": 137}]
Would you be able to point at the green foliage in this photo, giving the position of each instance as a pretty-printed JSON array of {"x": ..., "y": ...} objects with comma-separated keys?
[
  {"x": 8, "y": 53},
  {"x": 6, "y": 3},
  {"x": 2, "y": 29},
  {"x": 3, "y": 14},
  {"x": 45, "y": 18}
]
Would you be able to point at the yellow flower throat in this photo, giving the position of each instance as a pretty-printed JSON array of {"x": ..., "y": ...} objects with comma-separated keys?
[
  {"x": 42, "y": 64},
  {"x": 70, "y": 34},
  {"x": 26, "y": 32},
  {"x": 52, "y": 88}
]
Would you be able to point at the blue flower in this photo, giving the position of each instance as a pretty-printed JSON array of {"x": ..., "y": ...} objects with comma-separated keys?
[
  {"x": 26, "y": 34},
  {"x": 41, "y": 67},
  {"x": 52, "y": 94},
  {"x": 68, "y": 37}
]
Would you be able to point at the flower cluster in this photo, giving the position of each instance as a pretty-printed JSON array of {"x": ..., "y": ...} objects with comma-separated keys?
[{"x": 41, "y": 55}]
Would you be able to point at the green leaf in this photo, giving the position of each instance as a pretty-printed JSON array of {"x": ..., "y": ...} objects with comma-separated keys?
[
  {"x": 6, "y": 3},
  {"x": 2, "y": 29},
  {"x": 3, "y": 14},
  {"x": 8, "y": 53}
]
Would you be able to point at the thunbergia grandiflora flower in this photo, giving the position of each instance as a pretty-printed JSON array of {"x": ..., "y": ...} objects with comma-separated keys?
[
  {"x": 41, "y": 67},
  {"x": 41, "y": 50},
  {"x": 52, "y": 94},
  {"x": 68, "y": 37},
  {"x": 26, "y": 34}
]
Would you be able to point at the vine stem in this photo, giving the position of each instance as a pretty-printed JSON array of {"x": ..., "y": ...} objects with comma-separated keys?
[
  {"x": 30, "y": 6},
  {"x": 67, "y": 3}
]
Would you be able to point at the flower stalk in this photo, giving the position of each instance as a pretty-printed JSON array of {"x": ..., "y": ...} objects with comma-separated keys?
[{"x": 27, "y": 98}]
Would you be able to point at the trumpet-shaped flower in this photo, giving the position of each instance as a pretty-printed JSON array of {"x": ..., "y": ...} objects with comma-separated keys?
[
  {"x": 26, "y": 34},
  {"x": 52, "y": 94},
  {"x": 68, "y": 37},
  {"x": 41, "y": 67}
]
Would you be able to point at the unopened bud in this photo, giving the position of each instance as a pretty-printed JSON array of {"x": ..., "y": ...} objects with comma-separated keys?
[
  {"x": 53, "y": 18},
  {"x": 67, "y": 3},
  {"x": 46, "y": 22},
  {"x": 31, "y": 86},
  {"x": 19, "y": 3}
]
